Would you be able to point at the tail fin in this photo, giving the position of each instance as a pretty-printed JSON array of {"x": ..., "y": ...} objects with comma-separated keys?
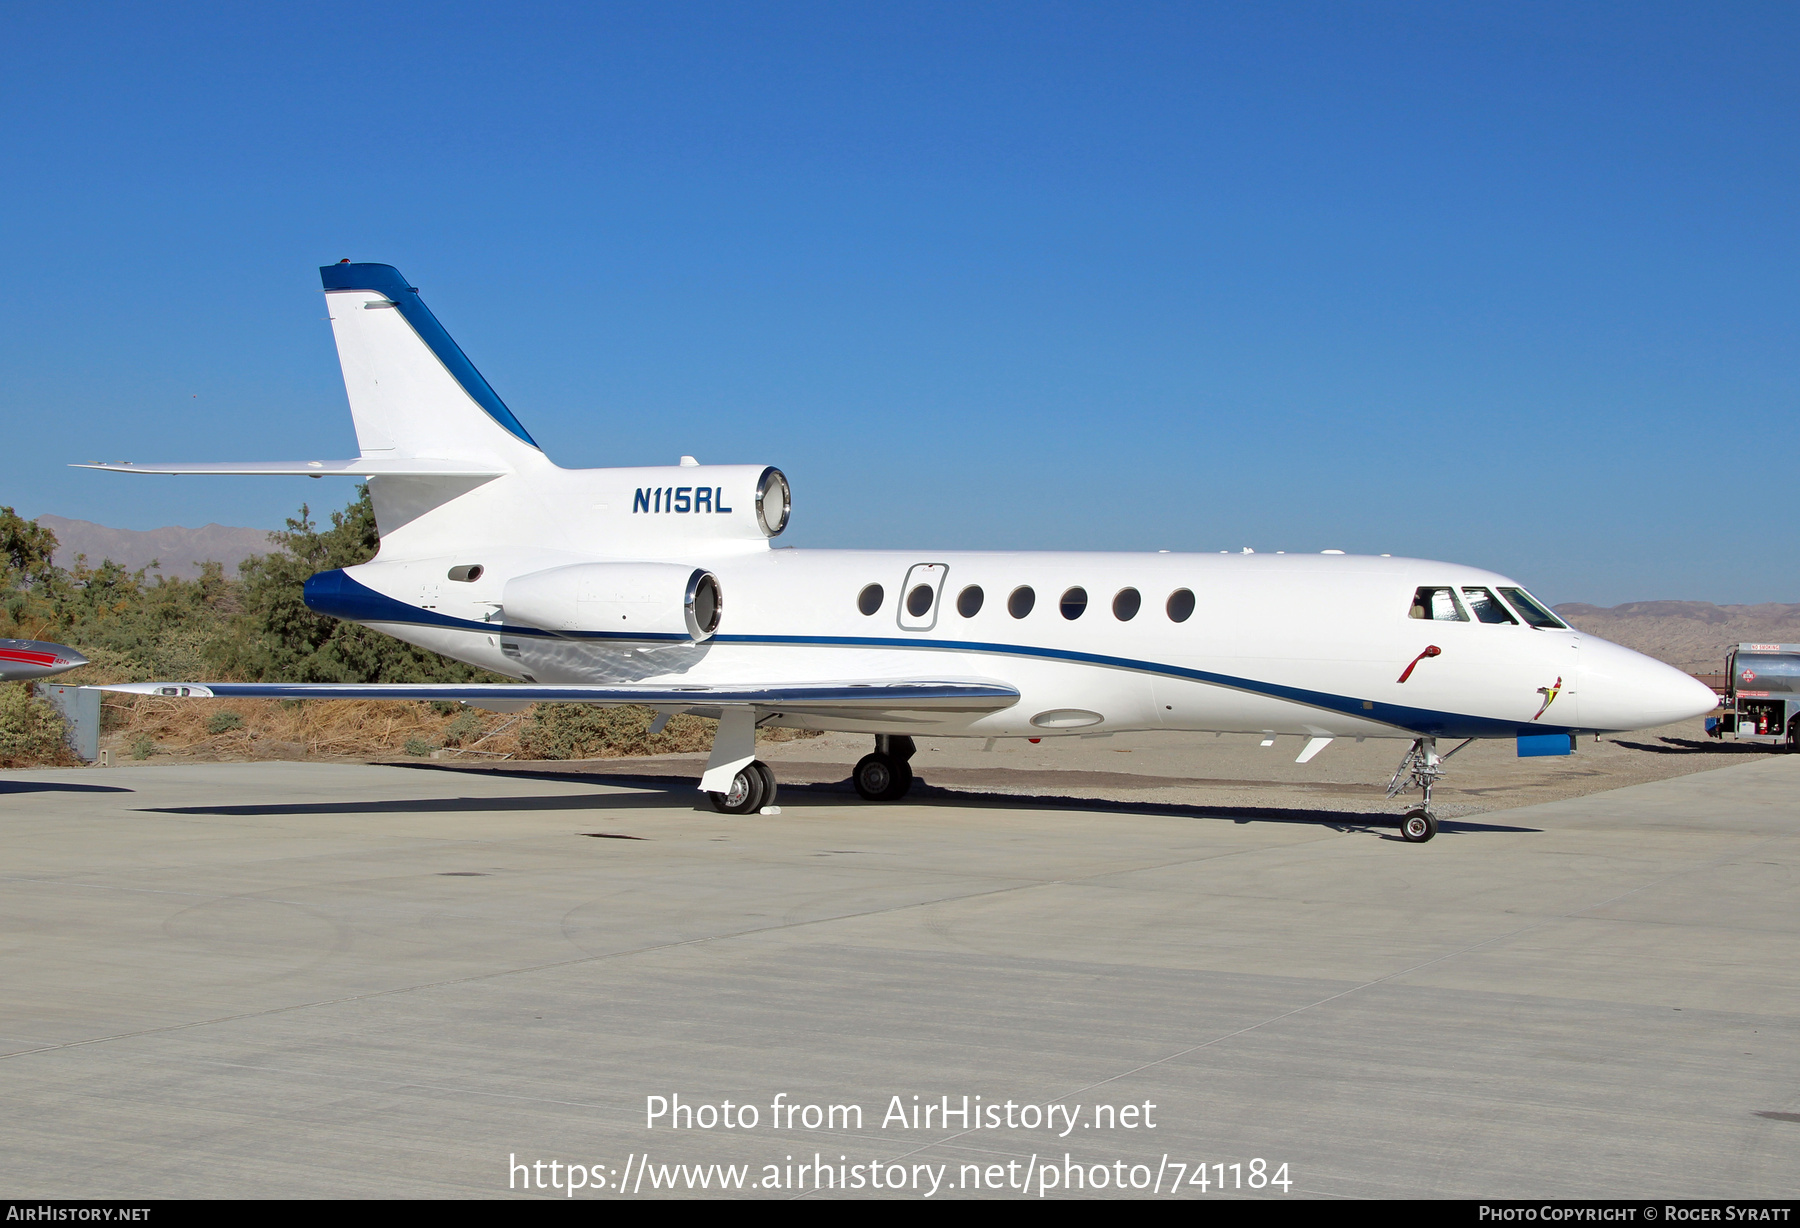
[{"x": 413, "y": 392}]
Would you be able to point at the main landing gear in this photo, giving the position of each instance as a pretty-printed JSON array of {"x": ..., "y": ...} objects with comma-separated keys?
[
  {"x": 751, "y": 789},
  {"x": 735, "y": 780},
  {"x": 886, "y": 775},
  {"x": 1420, "y": 770}
]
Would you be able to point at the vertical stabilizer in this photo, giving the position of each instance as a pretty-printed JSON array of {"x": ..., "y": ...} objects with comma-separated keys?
[{"x": 413, "y": 392}]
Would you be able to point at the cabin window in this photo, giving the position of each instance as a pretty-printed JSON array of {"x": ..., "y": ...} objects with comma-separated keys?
[
  {"x": 1532, "y": 611},
  {"x": 1021, "y": 601},
  {"x": 918, "y": 602},
  {"x": 1487, "y": 607},
  {"x": 1181, "y": 605},
  {"x": 1126, "y": 604},
  {"x": 1439, "y": 604},
  {"x": 869, "y": 600},
  {"x": 968, "y": 602},
  {"x": 1074, "y": 603}
]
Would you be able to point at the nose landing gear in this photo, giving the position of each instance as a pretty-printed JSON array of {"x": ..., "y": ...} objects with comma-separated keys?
[{"x": 1419, "y": 770}]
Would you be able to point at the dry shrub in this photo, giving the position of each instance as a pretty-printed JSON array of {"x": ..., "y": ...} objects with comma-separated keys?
[
  {"x": 285, "y": 729},
  {"x": 32, "y": 732},
  {"x": 378, "y": 729},
  {"x": 582, "y": 731}
]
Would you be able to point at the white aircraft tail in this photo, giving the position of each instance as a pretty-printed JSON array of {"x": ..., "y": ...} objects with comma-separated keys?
[
  {"x": 451, "y": 471},
  {"x": 413, "y": 393}
]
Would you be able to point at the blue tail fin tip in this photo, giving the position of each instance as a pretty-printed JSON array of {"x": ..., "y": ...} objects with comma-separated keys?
[{"x": 386, "y": 280}]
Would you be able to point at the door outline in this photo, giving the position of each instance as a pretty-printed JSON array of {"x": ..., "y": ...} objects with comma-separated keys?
[{"x": 932, "y": 574}]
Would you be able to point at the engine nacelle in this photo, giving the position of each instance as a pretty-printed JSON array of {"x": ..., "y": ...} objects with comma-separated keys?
[{"x": 654, "y": 600}]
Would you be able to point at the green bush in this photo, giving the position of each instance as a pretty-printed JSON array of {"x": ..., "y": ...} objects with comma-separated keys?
[
  {"x": 419, "y": 746},
  {"x": 223, "y": 722},
  {"x": 275, "y": 636},
  {"x": 464, "y": 729},
  {"x": 143, "y": 747},
  {"x": 137, "y": 626},
  {"x": 31, "y": 730}
]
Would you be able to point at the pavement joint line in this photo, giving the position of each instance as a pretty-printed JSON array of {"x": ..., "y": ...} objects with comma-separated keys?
[
  {"x": 529, "y": 968},
  {"x": 666, "y": 946},
  {"x": 1096, "y": 877},
  {"x": 1448, "y": 955},
  {"x": 1380, "y": 980}
]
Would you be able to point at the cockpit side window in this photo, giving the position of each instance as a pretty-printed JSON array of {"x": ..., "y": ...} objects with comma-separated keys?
[
  {"x": 1487, "y": 607},
  {"x": 1532, "y": 610},
  {"x": 1439, "y": 604}
]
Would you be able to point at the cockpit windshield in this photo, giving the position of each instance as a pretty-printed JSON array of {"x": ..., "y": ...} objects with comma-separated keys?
[
  {"x": 1487, "y": 607},
  {"x": 1439, "y": 604},
  {"x": 1532, "y": 610}
]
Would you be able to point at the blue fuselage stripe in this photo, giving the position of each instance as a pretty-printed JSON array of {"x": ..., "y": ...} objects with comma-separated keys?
[{"x": 335, "y": 594}]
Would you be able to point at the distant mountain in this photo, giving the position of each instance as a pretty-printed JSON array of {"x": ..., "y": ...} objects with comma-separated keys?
[
  {"x": 179, "y": 550},
  {"x": 1694, "y": 635}
]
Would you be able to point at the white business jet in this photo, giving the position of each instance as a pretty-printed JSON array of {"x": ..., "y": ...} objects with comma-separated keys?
[{"x": 661, "y": 586}]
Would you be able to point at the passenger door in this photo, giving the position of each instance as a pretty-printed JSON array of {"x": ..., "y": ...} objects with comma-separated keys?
[{"x": 920, "y": 594}]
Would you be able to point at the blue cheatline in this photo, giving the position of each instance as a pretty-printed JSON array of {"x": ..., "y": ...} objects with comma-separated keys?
[{"x": 338, "y": 595}]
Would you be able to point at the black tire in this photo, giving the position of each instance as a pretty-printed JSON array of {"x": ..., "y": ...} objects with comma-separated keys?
[
  {"x": 873, "y": 776},
  {"x": 745, "y": 795},
  {"x": 882, "y": 778},
  {"x": 903, "y": 782},
  {"x": 768, "y": 779},
  {"x": 1418, "y": 826}
]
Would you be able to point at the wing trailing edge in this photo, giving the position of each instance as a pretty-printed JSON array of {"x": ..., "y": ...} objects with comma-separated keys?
[{"x": 920, "y": 695}]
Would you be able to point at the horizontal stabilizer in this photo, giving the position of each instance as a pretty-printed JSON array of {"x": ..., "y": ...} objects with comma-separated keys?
[
  {"x": 967, "y": 696},
  {"x": 360, "y": 466}
]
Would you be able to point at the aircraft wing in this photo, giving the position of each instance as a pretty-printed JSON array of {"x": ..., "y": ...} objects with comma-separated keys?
[
  {"x": 359, "y": 466},
  {"x": 967, "y": 695}
]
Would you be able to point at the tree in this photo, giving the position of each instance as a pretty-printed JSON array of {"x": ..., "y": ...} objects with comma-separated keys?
[
  {"x": 278, "y": 638},
  {"x": 26, "y": 549}
]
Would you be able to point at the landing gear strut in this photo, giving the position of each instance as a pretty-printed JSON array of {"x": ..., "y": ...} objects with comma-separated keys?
[
  {"x": 886, "y": 775},
  {"x": 1419, "y": 770}
]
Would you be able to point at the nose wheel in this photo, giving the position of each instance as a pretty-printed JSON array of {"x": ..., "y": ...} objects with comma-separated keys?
[{"x": 1418, "y": 826}]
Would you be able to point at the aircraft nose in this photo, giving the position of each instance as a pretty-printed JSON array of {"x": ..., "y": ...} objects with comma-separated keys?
[{"x": 1622, "y": 689}]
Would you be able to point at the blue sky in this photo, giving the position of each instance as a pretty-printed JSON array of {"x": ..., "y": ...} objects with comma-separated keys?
[{"x": 1512, "y": 285}]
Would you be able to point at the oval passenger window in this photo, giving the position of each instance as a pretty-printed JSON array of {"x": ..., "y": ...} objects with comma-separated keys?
[
  {"x": 919, "y": 601},
  {"x": 1021, "y": 601},
  {"x": 1125, "y": 605},
  {"x": 968, "y": 602},
  {"x": 1074, "y": 602},
  {"x": 1181, "y": 605},
  {"x": 869, "y": 600}
]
